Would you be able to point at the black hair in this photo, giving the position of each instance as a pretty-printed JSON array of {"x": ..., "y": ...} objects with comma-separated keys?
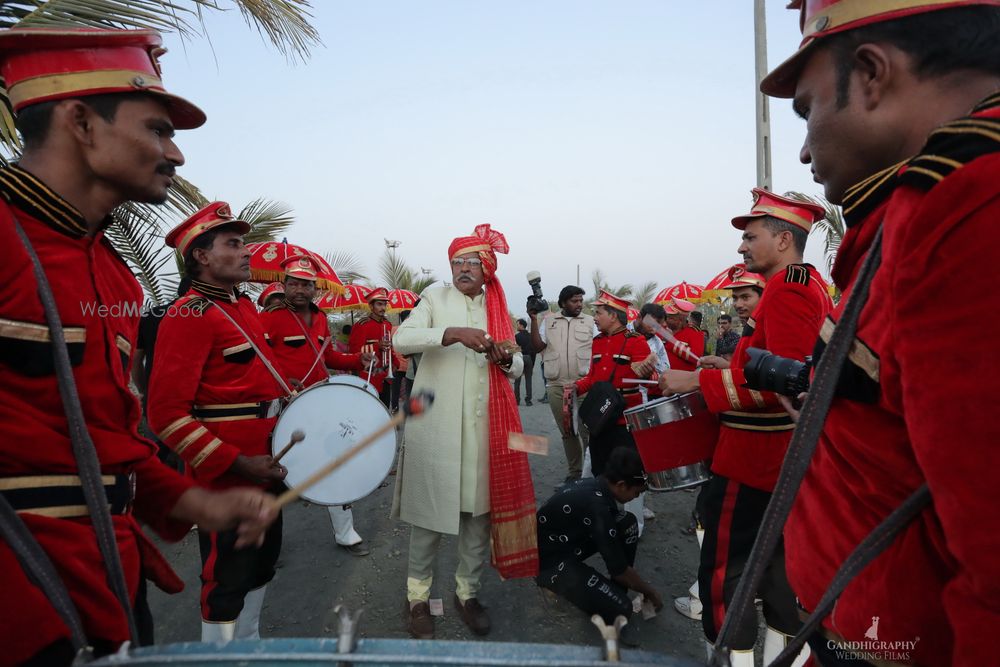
[
  {"x": 523, "y": 322},
  {"x": 203, "y": 242},
  {"x": 624, "y": 465},
  {"x": 346, "y": 329},
  {"x": 33, "y": 122},
  {"x": 184, "y": 285},
  {"x": 568, "y": 292},
  {"x": 940, "y": 42},
  {"x": 403, "y": 315},
  {"x": 697, "y": 317},
  {"x": 654, "y": 309},
  {"x": 776, "y": 226},
  {"x": 621, "y": 315},
  {"x": 725, "y": 317}
]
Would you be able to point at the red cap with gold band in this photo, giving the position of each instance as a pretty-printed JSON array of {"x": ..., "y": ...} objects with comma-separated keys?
[
  {"x": 378, "y": 294},
  {"x": 799, "y": 213},
  {"x": 740, "y": 277},
  {"x": 606, "y": 298},
  {"x": 819, "y": 18},
  {"x": 678, "y": 306},
  {"x": 270, "y": 290},
  {"x": 214, "y": 215},
  {"x": 300, "y": 267},
  {"x": 43, "y": 64}
]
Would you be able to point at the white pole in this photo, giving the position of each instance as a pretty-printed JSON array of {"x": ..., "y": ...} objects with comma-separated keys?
[{"x": 762, "y": 109}]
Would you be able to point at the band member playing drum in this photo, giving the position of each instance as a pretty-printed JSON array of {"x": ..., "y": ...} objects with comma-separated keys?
[
  {"x": 584, "y": 520},
  {"x": 92, "y": 140},
  {"x": 373, "y": 333},
  {"x": 755, "y": 428},
  {"x": 623, "y": 354},
  {"x": 214, "y": 397},
  {"x": 689, "y": 343},
  {"x": 457, "y": 474},
  {"x": 299, "y": 334}
]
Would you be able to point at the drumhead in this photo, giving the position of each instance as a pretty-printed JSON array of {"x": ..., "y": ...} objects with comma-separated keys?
[
  {"x": 334, "y": 416},
  {"x": 354, "y": 381}
]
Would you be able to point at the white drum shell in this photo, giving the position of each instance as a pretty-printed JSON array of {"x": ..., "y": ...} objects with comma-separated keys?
[{"x": 334, "y": 416}]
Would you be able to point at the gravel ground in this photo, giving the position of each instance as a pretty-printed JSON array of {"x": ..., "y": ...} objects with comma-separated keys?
[{"x": 315, "y": 575}]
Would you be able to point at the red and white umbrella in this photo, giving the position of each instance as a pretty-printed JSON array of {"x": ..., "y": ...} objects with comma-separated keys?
[
  {"x": 353, "y": 298},
  {"x": 401, "y": 299},
  {"x": 266, "y": 258},
  {"x": 683, "y": 290}
]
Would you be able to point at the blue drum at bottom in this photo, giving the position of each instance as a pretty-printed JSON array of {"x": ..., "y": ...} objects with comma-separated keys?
[{"x": 382, "y": 652}]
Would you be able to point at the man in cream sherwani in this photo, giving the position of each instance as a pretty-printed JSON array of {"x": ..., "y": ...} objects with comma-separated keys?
[{"x": 443, "y": 482}]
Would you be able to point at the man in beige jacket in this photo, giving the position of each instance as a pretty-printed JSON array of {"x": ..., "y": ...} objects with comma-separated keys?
[{"x": 564, "y": 340}]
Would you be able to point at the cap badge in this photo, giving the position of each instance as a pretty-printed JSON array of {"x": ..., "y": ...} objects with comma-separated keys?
[{"x": 139, "y": 82}]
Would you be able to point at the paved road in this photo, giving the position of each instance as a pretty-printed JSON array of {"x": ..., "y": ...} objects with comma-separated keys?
[{"x": 314, "y": 575}]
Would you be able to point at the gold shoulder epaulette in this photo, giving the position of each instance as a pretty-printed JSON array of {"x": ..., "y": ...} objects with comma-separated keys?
[
  {"x": 196, "y": 303},
  {"x": 796, "y": 273},
  {"x": 280, "y": 305}
]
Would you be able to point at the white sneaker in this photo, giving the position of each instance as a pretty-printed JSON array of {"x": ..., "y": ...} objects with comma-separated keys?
[
  {"x": 648, "y": 514},
  {"x": 688, "y": 606}
]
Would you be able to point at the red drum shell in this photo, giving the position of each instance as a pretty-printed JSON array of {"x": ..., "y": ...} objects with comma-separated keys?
[{"x": 673, "y": 431}]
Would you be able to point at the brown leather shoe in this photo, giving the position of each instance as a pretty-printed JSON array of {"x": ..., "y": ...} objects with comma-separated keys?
[
  {"x": 474, "y": 615},
  {"x": 419, "y": 621}
]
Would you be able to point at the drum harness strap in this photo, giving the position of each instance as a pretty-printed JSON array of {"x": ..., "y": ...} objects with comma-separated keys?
[
  {"x": 28, "y": 551},
  {"x": 793, "y": 470},
  {"x": 319, "y": 352},
  {"x": 260, "y": 355}
]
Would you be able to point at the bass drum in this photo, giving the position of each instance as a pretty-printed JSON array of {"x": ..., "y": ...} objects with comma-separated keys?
[
  {"x": 354, "y": 381},
  {"x": 334, "y": 416}
]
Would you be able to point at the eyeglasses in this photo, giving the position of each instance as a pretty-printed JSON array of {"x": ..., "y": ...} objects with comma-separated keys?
[{"x": 471, "y": 263}]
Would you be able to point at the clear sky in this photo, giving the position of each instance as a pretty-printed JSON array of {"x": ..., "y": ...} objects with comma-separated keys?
[{"x": 611, "y": 135}]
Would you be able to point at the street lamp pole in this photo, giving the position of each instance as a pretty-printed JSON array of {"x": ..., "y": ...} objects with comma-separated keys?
[{"x": 763, "y": 114}]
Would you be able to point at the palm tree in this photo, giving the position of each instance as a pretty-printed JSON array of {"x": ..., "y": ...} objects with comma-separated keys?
[
  {"x": 347, "y": 265},
  {"x": 396, "y": 274},
  {"x": 644, "y": 293},
  {"x": 600, "y": 283},
  {"x": 138, "y": 229},
  {"x": 832, "y": 226}
]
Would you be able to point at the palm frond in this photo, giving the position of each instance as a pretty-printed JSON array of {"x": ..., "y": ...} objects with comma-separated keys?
[
  {"x": 137, "y": 236},
  {"x": 394, "y": 272},
  {"x": 285, "y": 23},
  {"x": 644, "y": 293},
  {"x": 268, "y": 220},
  {"x": 184, "y": 198},
  {"x": 422, "y": 283},
  {"x": 157, "y": 14},
  {"x": 347, "y": 265},
  {"x": 831, "y": 226}
]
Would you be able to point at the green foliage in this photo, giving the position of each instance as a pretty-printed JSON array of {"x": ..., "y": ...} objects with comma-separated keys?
[
  {"x": 831, "y": 227},
  {"x": 397, "y": 274}
]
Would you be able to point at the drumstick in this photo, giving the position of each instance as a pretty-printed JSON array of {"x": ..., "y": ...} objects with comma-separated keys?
[
  {"x": 297, "y": 437},
  {"x": 371, "y": 367},
  {"x": 416, "y": 405},
  {"x": 681, "y": 349}
]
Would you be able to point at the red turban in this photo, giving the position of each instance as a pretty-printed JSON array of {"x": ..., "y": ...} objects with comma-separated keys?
[{"x": 512, "y": 495}]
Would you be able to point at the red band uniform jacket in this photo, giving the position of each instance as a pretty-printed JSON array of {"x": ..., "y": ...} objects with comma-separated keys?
[
  {"x": 366, "y": 335},
  {"x": 616, "y": 353},
  {"x": 99, "y": 303},
  {"x": 296, "y": 344},
  {"x": 755, "y": 428},
  {"x": 914, "y": 405},
  {"x": 209, "y": 394},
  {"x": 694, "y": 339}
]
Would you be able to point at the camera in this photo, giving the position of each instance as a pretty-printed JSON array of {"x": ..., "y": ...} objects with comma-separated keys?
[
  {"x": 536, "y": 303},
  {"x": 769, "y": 372}
]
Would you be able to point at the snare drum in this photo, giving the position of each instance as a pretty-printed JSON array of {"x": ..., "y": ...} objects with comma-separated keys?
[
  {"x": 676, "y": 436},
  {"x": 335, "y": 415}
]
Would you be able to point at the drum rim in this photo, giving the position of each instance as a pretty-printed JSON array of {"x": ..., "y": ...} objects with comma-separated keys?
[{"x": 305, "y": 496}]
